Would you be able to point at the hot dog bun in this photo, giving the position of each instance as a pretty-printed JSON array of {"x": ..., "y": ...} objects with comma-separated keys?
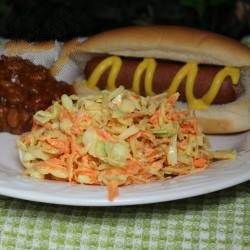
[
  {"x": 169, "y": 42},
  {"x": 182, "y": 44}
]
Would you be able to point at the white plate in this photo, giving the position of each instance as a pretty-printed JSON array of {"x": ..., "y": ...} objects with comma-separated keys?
[{"x": 220, "y": 175}]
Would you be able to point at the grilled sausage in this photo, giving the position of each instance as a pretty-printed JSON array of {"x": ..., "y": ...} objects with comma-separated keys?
[{"x": 163, "y": 76}]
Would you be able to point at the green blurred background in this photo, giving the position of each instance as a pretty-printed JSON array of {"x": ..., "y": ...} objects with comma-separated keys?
[{"x": 62, "y": 20}]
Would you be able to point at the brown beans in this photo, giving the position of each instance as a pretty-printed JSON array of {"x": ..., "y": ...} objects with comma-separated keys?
[
  {"x": 24, "y": 89},
  {"x": 14, "y": 95},
  {"x": 13, "y": 118},
  {"x": 38, "y": 75}
]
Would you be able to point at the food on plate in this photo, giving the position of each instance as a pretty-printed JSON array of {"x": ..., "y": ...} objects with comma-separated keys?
[
  {"x": 209, "y": 70},
  {"x": 24, "y": 89},
  {"x": 115, "y": 139}
]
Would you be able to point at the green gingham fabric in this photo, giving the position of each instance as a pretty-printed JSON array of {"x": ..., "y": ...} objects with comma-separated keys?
[{"x": 219, "y": 220}]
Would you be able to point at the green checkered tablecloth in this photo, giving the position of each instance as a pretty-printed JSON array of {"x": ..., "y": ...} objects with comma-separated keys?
[{"x": 218, "y": 220}]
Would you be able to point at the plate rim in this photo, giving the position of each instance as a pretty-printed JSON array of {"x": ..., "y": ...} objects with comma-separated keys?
[
  {"x": 126, "y": 200},
  {"x": 104, "y": 202}
]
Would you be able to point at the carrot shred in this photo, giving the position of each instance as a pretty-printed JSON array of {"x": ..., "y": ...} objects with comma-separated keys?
[
  {"x": 200, "y": 163},
  {"x": 113, "y": 190}
]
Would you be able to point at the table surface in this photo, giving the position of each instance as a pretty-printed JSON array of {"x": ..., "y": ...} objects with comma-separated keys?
[{"x": 219, "y": 220}]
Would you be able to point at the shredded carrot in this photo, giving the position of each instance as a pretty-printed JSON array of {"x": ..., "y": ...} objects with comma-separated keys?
[
  {"x": 113, "y": 190},
  {"x": 69, "y": 165},
  {"x": 200, "y": 162},
  {"x": 65, "y": 114},
  {"x": 172, "y": 99},
  {"x": 103, "y": 134},
  {"x": 52, "y": 162},
  {"x": 155, "y": 118},
  {"x": 62, "y": 146},
  {"x": 75, "y": 147},
  {"x": 151, "y": 153},
  {"x": 92, "y": 174},
  {"x": 35, "y": 126},
  {"x": 182, "y": 144},
  {"x": 25, "y": 139},
  {"x": 133, "y": 167}
]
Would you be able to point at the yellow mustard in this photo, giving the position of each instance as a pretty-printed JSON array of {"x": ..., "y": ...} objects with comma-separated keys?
[
  {"x": 148, "y": 65},
  {"x": 115, "y": 63}
]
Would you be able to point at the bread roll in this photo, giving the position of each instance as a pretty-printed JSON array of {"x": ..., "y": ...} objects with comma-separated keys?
[
  {"x": 169, "y": 42},
  {"x": 181, "y": 44}
]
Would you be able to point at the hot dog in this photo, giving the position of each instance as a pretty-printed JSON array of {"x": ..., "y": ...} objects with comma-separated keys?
[
  {"x": 167, "y": 70},
  {"x": 209, "y": 70}
]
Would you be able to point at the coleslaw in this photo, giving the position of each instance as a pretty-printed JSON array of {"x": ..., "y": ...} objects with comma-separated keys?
[{"x": 115, "y": 139}]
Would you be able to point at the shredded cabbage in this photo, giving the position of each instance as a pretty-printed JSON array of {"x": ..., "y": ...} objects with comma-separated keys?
[{"x": 172, "y": 151}]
